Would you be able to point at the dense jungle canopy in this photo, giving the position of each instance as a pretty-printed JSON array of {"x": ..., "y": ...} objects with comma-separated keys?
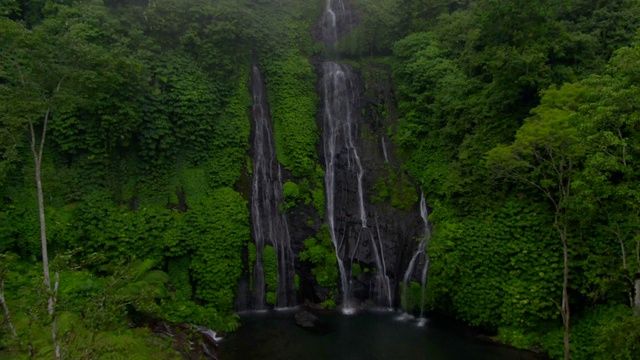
[{"x": 519, "y": 120}]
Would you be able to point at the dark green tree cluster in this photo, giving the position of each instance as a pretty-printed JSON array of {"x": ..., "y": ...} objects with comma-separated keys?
[
  {"x": 138, "y": 115},
  {"x": 544, "y": 96}
]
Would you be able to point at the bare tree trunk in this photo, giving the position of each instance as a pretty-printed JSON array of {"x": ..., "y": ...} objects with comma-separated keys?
[
  {"x": 52, "y": 300},
  {"x": 564, "y": 308},
  {"x": 566, "y": 313},
  {"x": 636, "y": 299},
  {"x": 37, "y": 157},
  {"x": 7, "y": 314}
]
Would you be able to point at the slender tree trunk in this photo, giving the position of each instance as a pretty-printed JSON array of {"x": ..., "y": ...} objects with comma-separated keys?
[
  {"x": 7, "y": 314},
  {"x": 636, "y": 299},
  {"x": 43, "y": 231},
  {"x": 566, "y": 313},
  {"x": 37, "y": 157},
  {"x": 564, "y": 308},
  {"x": 54, "y": 320}
]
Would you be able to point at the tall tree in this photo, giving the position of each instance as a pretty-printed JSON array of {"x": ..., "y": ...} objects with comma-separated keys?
[
  {"x": 544, "y": 156},
  {"x": 609, "y": 181}
]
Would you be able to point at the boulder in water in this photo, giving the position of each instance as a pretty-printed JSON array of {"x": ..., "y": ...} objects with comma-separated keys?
[{"x": 306, "y": 319}]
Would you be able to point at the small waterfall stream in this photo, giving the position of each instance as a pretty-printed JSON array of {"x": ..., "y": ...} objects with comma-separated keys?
[
  {"x": 269, "y": 223},
  {"x": 384, "y": 149},
  {"x": 422, "y": 250}
]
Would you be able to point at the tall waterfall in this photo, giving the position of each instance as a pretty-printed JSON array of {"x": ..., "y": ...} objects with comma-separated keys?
[
  {"x": 340, "y": 116},
  {"x": 339, "y": 132},
  {"x": 338, "y": 137},
  {"x": 269, "y": 223}
]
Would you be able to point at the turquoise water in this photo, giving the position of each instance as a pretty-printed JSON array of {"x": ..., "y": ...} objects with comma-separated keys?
[{"x": 363, "y": 336}]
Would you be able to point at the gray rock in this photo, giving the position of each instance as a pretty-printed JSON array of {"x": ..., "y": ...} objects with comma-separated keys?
[{"x": 306, "y": 319}]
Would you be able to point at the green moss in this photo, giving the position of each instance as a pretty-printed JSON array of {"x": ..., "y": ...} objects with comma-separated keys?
[
  {"x": 194, "y": 184},
  {"x": 271, "y": 297},
  {"x": 291, "y": 194},
  {"x": 396, "y": 188},
  {"x": 270, "y": 266},
  {"x": 231, "y": 138},
  {"x": 319, "y": 251},
  {"x": 411, "y": 296},
  {"x": 356, "y": 270},
  {"x": 178, "y": 270},
  {"x": 293, "y": 102},
  {"x": 329, "y": 304},
  {"x": 218, "y": 229}
]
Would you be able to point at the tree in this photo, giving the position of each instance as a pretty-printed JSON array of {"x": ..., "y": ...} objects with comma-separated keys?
[
  {"x": 36, "y": 96},
  {"x": 609, "y": 180},
  {"x": 36, "y": 64},
  {"x": 544, "y": 156}
]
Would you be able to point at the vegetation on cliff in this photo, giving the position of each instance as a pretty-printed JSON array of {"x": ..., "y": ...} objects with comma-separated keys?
[{"x": 516, "y": 118}]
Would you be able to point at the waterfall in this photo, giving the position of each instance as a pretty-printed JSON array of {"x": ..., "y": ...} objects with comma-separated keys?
[
  {"x": 422, "y": 250},
  {"x": 337, "y": 136},
  {"x": 384, "y": 149},
  {"x": 383, "y": 279},
  {"x": 335, "y": 17},
  {"x": 269, "y": 223}
]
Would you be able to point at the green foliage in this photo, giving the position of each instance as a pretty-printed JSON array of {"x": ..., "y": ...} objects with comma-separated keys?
[
  {"x": 380, "y": 26},
  {"x": 178, "y": 271},
  {"x": 194, "y": 185},
  {"x": 605, "y": 332},
  {"x": 270, "y": 266},
  {"x": 217, "y": 230},
  {"x": 291, "y": 194},
  {"x": 617, "y": 335},
  {"x": 149, "y": 128},
  {"x": 396, "y": 188},
  {"x": 90, "y": 312},
  {"x": 411, "y": 299},
  {"x": 356, "y": 270},
  {"x": 329, "y": 304},
  {"x": 180, "y": 310},
  {"x": 319, "y": 251},
  {"x": 293, "y": 104},
  {"x": 121, "y": 233},
  {"x": 474, "y": 75},
  {"x": 476, "y": 253},
  {"x": 231, "y": 138}
]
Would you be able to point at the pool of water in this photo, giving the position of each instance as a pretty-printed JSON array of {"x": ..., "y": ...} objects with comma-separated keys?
[{"x": 370, "y": 335}]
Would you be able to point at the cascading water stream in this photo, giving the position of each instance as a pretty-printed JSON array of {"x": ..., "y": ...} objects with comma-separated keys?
[
  {"x": 384, "y": 149},
  {"x": 422, "y": 250},
  {"x": 424, "y": 214},
  {"x": 337, "y": 125},
  {"x": 338, "y": 134},
  {"x": 268, "y": 222},
  {"x": 385, "y": 283},
  {"x": 342, "y": 158}
]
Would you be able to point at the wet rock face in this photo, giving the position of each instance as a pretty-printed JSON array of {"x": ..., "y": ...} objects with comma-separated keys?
[
  {"x": 334, "y": 24},
  {"x": 386, "y": 236},
  {"x": 374, "y": 240}
]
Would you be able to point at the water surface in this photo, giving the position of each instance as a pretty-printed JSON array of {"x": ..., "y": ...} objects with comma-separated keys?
[{"x": 363, "y": 336}]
